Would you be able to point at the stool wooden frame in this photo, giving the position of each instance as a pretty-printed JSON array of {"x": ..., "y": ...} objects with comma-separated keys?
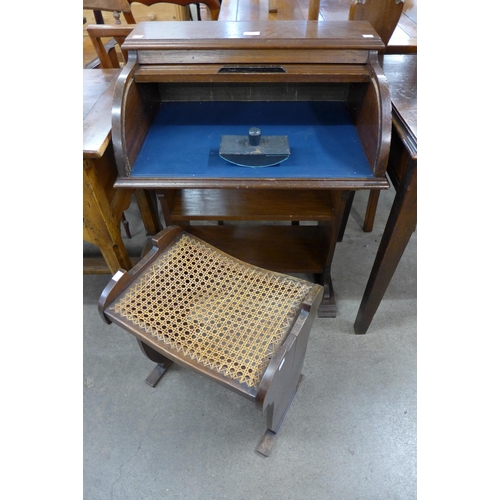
[{"x": 273, "y": 384}]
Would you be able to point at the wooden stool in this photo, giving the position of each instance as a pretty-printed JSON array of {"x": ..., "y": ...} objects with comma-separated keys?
[{"x": 242, "y": 326}]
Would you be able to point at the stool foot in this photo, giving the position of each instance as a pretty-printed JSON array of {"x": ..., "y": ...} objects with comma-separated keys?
[
  {"x": 266, "y": 443},
  {"x": 157, "y": 373},
  {"x": 269, "y": 438}
]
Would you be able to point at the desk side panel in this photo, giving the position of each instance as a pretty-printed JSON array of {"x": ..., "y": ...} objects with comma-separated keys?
[
  {"x": 370, "y": 106},
  {"x": 134, "y": 109}
]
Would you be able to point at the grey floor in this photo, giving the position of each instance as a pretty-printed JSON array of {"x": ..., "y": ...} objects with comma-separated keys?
[{"x": 350, "y": 432}]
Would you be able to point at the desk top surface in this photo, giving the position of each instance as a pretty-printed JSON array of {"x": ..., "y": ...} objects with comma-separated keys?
[
  {"x": 290, "y": 34},
  {"x": 98, "y": 86},
  {"x": 401, "y": 73}
]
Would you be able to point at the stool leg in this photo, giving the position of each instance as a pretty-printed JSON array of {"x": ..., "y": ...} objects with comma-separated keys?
[
  {"x": 286, "y": 381},
  {"x": 275, "y": 416},
  {"x": 162, "y": 366}
]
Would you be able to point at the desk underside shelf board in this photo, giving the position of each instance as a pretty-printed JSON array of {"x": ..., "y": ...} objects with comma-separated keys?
[{"x": 285, "y": 217}]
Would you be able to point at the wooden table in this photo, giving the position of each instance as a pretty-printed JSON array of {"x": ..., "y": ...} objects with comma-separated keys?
[
  {"x": 103, "y": 205},
  {"x": 401, "y": 72}
]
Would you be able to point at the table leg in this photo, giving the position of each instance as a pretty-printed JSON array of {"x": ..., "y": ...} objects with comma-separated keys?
[
  {"x": 398, "y": 230},
  {"x": 102, "y": 226}
]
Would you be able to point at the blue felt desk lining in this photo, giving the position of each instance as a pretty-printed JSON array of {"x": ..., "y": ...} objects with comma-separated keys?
[{"x": 184, "y": 139}]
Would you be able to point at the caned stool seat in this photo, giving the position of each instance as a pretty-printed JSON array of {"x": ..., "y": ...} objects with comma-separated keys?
[{"x": 240, "y": 325}]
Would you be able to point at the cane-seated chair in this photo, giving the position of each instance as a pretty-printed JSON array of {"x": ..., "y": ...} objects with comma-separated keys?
[{"x": 242, "y": 326}]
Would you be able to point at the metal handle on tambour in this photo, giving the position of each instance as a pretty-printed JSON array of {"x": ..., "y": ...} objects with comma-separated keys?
[{"x": 252, "y": 69}]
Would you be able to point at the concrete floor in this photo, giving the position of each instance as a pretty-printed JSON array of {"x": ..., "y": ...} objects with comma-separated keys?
[{"x": 350, "y": 433}]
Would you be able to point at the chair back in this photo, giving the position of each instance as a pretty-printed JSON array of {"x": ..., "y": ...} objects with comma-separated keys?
[
  {"x": 116, "y": 6},
  {"x": 114, "y": 36},
  {"x": 383, "y": 15},
  {"x": 125, "y": 7},
  {"x": 212, "y": 5},
  {"x": 107, "y": 5}
]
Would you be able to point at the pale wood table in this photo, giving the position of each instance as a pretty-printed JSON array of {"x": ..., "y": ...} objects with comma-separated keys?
[{"x": 103, "y": 205}]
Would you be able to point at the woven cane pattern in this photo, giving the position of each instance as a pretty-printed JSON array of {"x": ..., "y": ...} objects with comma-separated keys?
[{"x": 216, "y": 310}]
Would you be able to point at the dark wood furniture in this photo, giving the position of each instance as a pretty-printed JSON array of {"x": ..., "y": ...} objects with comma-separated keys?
[
  {"x": 320, "y": 83},
  {"x": 243, "y": 327},
  {"x": 103, "y": 204},
  {"x": 401, "y": 72},
  {"x": 384, "y": 16}
]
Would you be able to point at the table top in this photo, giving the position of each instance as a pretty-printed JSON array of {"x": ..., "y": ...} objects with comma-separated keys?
[
  {"x": 401, "y": 73},
  {"x": 98, "y": 87}
]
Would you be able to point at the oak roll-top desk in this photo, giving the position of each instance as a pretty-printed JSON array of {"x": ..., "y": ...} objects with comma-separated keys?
[{"x": 319, "y": 83}]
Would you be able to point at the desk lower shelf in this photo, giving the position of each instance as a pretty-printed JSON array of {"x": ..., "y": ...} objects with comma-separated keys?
[
  {"x": 250, "y": 205},
  {"x": 264, "y": 245}
]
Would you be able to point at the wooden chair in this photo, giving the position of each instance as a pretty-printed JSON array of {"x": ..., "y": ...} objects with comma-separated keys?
[
  {"x": 212, "y": 5},
  {"x": 239, "y": 325},
  {"x": 117, "y": 7},
  {"x": 383, "y": 15},
  {"x": 107, "y": 41},
  {"x": 125, "y": 7},
  {"x": 109, "y": 55}
]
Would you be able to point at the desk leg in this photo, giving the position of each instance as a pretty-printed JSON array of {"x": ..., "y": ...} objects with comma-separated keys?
[
  {"x": 148, "y": 206},
  {"x": 398, "y": 230},
  {"x": 313, "y": 10},
  {"x": 328, "y": 306},
  {"x": 345, "y": 218},
  {"x": 371, "y": 209}
]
